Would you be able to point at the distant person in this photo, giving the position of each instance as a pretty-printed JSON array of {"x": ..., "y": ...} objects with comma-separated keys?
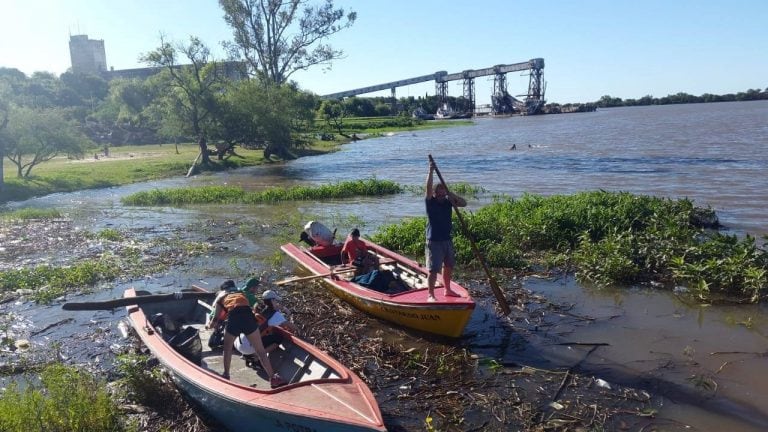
[
  {"x": 514, "y": 147},
  {"x": 439, "y": 251},
  {"x": 241, "y": 320}
]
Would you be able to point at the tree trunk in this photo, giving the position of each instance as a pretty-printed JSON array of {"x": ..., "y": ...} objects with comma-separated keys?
[
  {"x": 2, "y": 171},
  {"x": 204, "y": 150}
]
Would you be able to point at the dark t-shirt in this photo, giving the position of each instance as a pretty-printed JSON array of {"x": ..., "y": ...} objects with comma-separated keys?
[{"x": 439, "y": 222}]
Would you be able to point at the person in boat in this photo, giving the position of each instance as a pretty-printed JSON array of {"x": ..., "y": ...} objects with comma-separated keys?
[
  {"x": 354, "y": 250},
  {"x": 439, "y": 250},
  {"x": 270, "y": 314},
  {"x": 241, "y": 320},
  {"x": 216, "y": 340}
]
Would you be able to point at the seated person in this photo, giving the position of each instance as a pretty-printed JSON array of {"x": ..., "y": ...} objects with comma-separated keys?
[
  {"x": 271, "y": 315},
  {"x": 353, "y": 248}
]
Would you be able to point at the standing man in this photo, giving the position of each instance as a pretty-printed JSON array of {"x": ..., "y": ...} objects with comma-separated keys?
[{"x": 439, "y": 250}]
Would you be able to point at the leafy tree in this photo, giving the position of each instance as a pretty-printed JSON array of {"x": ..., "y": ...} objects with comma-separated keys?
[
  {"x": 333, "y": 112},
  {"x": 5, "y": 107},
  {"x": 41, "y": 90},
  {"x": 85, "y": 89},
  {"x": 260, "y": 29},
  {"x": 359, "y": 107},
  {"x": 191, "y": 88},
  {"x": 260, "y": 114},
  {"x": 35, "y": 136}
]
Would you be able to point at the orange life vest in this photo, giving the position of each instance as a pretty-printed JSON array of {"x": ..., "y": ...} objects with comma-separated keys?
[{"x": 233, "y": 300}]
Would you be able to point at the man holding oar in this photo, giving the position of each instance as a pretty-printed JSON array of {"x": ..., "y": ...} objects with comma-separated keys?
[{"x": 439, "y": 251}]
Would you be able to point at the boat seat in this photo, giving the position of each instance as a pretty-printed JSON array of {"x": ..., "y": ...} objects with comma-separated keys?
[{"x": 304, "y": 365}]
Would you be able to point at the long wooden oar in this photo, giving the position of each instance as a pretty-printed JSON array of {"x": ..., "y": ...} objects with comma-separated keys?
[
  {"x": 129, "y": 301},
  {"x": 494, "y": 286},
  {"x": 317, "y": 276}
]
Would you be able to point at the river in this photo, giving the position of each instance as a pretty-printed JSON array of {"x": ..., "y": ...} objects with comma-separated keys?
[{"x": 715, "y": 154}]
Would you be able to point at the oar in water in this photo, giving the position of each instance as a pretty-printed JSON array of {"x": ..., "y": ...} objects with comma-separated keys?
[
  {"x": 318, "y": 276},
  {"x": 494, "y": 286},
  {"x": 130, "y": 301}
]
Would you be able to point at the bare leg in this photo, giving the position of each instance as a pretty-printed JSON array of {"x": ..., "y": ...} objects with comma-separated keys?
[
  {"x": 255, "y": 339},
  {"x": 431, "y": 285},
  {"x": 447, "y": 273},
  {"x": 229, "y": 342}
]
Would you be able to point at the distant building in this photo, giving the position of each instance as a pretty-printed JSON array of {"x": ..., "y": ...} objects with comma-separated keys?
[
  {"x": 233, "y": 70},
  {"x": 88, "y": 55}
]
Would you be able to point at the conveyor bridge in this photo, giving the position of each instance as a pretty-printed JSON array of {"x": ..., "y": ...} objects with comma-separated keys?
[{"x": 502, "y": 101}]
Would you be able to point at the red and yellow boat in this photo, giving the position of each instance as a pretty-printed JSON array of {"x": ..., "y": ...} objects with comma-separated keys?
[{"x": 407, "y": 306}]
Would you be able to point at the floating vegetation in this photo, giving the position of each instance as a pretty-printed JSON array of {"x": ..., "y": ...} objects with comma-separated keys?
[
  {"x": 30, "y": 213},
  {"x": 91, "y": 259},
  {"x": 607, "y": 238},
  {"x": 236, "y": 195}
]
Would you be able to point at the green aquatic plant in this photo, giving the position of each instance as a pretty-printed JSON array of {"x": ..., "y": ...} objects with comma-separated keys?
[
  {"x": 30, "y": 213},
  {"x": 236, "y": 195},
  {"x": 110, "y": 234},
  {"x": 62, "y": 400},
  {"x": 47, "y": 282},
  {"x": 607, "y": 238}
]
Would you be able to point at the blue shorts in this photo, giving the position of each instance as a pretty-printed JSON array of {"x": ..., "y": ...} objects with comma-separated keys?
[{"x": 439, "y": 254}]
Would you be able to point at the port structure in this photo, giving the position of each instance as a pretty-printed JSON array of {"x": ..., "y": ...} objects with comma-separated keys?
[{"x": 501, "y": 101}]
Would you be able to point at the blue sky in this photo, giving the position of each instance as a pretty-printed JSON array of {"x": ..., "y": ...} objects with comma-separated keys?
[{"x": 592, "y": 48}]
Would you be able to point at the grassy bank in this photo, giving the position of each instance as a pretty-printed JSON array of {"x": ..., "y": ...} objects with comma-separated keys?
[
  {"x": 133, "y": 164},
  {"x": 124, "y": 165}
]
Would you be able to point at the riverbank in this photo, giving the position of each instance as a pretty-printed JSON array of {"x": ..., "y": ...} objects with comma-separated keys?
[
  {"x": 420, "y": 383},
  {"x": 139, "y": 163}
]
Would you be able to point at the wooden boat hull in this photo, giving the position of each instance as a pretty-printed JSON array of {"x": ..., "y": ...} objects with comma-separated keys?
[
  {"x": 322, "y": 395},
  {"x": 446, "y": 317}
]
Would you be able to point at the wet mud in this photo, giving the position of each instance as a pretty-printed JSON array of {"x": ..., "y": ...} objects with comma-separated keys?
[{"x": 527, "y": 371}]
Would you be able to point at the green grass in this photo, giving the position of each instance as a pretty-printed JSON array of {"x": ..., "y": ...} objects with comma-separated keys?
[
  {"x": 125, "y": 165},
  {"x": 30, "y": 214},
  {"x": 231, "y": 195},
  {"x": 63, "y": 400}
]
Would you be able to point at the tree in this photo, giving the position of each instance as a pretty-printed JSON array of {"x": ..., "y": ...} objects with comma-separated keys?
[
  {"x": 192, "y": 88},
  {"x": 34, "y": 136},
  {"x": 5, "y": 107},
  {"x": 333, "y": 112},
  {"x": 260, "y": 29},
  {"x": 259, "y": 114}
]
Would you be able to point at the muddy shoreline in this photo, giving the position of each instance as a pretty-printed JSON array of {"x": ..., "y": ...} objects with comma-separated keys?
[{"x": 420, "y": 382}]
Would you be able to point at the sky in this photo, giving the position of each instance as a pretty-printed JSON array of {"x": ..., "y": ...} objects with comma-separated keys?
[{"x": 591, "y": 48}]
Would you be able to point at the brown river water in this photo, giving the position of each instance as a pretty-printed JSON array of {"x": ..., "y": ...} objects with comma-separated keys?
[{"x": 714, "y": 154}]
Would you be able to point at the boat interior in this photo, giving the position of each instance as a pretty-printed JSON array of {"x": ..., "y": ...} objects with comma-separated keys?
[
  {"x": 182, "y": 324},
  {"x": 330, "y": 256}
]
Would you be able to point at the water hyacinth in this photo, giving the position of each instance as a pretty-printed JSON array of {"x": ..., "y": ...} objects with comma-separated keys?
[{"x": 606, "y": 238}]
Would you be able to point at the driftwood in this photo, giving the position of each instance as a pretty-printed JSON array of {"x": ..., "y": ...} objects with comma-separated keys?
[{"x": 194, "y": 164}]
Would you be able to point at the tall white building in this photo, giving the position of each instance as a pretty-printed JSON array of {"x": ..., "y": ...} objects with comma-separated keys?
[{"x": 87, "y": 55}]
